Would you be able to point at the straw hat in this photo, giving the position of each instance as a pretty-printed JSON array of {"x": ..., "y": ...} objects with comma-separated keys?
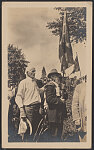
[{"x": 54, "y": 72}]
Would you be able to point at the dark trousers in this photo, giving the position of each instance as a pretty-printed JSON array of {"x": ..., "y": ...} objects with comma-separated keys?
[
  {"x": 55, "y": 132},
  {"x": 32, "y": 113},
  {"x": 55, "y": 119}
]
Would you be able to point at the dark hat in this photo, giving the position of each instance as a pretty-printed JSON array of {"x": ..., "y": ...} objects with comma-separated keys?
[{"x": 54, "y": 72}]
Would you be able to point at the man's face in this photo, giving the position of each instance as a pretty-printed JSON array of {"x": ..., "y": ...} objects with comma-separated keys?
[
  {"x": 56, "y": 79},
  {"x": 31, "y": 74}
]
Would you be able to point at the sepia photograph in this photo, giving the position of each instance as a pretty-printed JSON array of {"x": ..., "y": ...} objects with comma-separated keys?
[{"x": 47, "y": 75}]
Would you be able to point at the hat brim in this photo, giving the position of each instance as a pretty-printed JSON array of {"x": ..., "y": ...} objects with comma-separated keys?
[{"x": 54, "y": 73}]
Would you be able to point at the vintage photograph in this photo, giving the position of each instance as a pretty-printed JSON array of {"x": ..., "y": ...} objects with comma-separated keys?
[{"x": 46, "y": 74}]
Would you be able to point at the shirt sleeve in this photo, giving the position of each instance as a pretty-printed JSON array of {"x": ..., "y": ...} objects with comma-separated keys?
[
  {"x": 75, "y": 104},
  {"x": 20, "y": 94}
]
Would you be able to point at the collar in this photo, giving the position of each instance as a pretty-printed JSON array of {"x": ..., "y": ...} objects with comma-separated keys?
[
  {"x": 55, "y": 83},
  {"x": 30, "y": 78}
]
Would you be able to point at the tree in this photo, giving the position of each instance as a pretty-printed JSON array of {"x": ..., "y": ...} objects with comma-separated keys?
[
  {"x": 16, "y": 65},
  {"x": 76, "y": 20}
]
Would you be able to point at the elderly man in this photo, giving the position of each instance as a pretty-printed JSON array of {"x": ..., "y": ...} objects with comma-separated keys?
[
  {"x": 28, "y": 98},
  {"x": 79, "y": 110},
  {"x": 56, "y": 107}
]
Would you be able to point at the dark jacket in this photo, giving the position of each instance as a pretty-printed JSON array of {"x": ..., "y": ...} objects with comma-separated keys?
[
  {"x": 57, "y": 108},
  {"x": 51, "y": 98}
]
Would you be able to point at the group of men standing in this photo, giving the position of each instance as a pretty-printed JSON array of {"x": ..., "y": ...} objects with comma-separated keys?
[{"x": 30, "y": 100}]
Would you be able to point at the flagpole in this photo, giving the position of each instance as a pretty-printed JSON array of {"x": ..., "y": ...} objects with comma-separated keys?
[
  {"x": 80, "y": 73},
  {"x": 63, "y": 35}
]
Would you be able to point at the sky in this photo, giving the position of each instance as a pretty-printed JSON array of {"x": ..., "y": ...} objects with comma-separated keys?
[{"x": 27, "y": 30}]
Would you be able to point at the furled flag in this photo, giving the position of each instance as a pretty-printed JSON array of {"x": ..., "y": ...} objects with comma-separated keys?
[
  {"x": 65, "y": 49},
  {"x": 43, "y": 73}
]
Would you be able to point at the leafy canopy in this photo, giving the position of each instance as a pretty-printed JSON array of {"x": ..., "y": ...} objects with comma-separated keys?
[
  {"x": 76, "y": 20},
  {"x": 16, "y": 65}
]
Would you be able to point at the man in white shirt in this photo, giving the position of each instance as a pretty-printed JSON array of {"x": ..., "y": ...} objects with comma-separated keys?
[
  {"x": 28, "y": 98},
  {"x": 79, "y": 110}
]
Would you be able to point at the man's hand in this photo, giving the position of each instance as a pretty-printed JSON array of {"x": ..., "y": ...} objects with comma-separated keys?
[
  {"x": 22, "y": 113},
  {"x": 78, "y": 125},
  {"x": 41, "y": 111},
  {"x": 77, "y": 122},
  {"x": 78, "y": 128},
  {"x": 62, "y": 99}
]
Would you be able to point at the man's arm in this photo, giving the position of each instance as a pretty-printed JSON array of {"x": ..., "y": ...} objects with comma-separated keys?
[
  {"x": 75, "y": 106},
  {"x": 19, "y": 98},
  {"x": 20, "y": 95}
]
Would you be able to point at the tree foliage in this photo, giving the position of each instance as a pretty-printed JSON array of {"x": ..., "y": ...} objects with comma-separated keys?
[
  {"x": 76, "y": 20},
  {"x": 16, "y": 65}
]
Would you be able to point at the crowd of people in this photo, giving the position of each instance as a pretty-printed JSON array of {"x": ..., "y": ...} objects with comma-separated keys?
[{"x": 33, "y": 101}]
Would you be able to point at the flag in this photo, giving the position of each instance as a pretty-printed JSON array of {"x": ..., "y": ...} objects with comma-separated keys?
[
  {"x": 76, "y": 64},
  {"x": 65, "y": 49},
  {"x": 69, "y": 70},
  {"x": 75, "y": 74}
]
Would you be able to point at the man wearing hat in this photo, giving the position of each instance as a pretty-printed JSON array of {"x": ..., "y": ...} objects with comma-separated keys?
[
  {"x": 55, "y": 105},
  {"x": 28, "y": 98}
]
